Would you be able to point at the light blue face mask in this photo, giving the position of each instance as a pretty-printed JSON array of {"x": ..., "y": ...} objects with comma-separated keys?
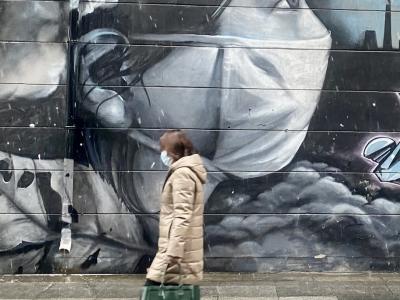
[{"x": 166, "y": 160}]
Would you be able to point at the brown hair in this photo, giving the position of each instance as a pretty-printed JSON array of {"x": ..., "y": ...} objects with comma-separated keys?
[{"x": 181, "y": 145}]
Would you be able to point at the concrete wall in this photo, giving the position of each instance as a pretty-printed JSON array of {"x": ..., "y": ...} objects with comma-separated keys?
[{"x": 293, "y": 104}]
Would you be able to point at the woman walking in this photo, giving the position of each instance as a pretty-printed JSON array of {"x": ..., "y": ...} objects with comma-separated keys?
[{"x": 180, "y": 246}]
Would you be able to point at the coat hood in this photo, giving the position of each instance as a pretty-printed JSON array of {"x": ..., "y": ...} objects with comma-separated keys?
[{"x": 195, "y": 163}]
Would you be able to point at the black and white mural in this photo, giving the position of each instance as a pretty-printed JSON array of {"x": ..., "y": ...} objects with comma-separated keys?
[{"x": 293, "y": 105}]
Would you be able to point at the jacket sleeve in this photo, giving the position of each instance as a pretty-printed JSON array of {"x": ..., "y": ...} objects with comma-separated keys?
[{"x": 183, "y": 197}]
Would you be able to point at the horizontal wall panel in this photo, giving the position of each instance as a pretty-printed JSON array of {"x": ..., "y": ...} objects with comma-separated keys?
[
  {"x": 42, "y": 21},
  {"x": 352, "y": 4},
  {"x": 222, "y": 230},
  {"x": 302, "y": 236},
  {"x": 46, "y": 61},
  {"x": 345, "y": 151},
  {"x": 311, "y": 264},
  {"x": 36, "y": 0},
  {"x": 229, "y": 150},
  {"x": 35, "y": 143},
  {"x": 212, "y": 67},
  {"x": 361, "y": 30},
  {"x": 124, "y": 236},
  {"x": 355, "y": 111},
  {"x": 371, "y": 71},
  {"x": 24, "y": 262},
  {"x": 340, "y": 4},
  {"x": 23, "y": 231},
  {"x": 206, "y": 67},
  {"x": 168, "y": 107},
  {"x": 315, "y": 4},
  {"x": 256, "y": 236},
  {"x": 110, "y": 242},
  {"x": 126, "y": 265},
  {"x": 335, "y": 4},
  {"x": 306, "y": 189},
  {"x": 367, "y": 27},
  {"x": 33, "y": 105}
]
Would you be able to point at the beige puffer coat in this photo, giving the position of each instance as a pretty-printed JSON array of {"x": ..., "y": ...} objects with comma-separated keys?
[{"x": 181, "y": 223}]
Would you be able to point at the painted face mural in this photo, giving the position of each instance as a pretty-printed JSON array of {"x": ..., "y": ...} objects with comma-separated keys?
[{"x": 293, "y": 106}]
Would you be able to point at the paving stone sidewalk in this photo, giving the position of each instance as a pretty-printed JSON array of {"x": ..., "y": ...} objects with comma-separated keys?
[{"x": 218, "y": 286}]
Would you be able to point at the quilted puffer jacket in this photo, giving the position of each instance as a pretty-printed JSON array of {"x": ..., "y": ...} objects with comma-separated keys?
[{"x": 181, "y": 224}]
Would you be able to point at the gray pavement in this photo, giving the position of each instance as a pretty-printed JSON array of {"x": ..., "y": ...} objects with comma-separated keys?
[{"x": 216, "y": 286}]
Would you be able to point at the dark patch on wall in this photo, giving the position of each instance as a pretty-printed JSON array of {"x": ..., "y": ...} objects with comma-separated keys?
[
  {"x": 91, "y": 260},
  {"x": 51, "y": 199},
  {"x": 5, "y": 170},
  {"x": 26, "y": 179}
]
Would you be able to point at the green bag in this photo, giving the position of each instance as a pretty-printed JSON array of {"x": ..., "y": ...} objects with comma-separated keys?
[
  {"x": 178, "y": 292},
  {"x": 171, "y": 292}
]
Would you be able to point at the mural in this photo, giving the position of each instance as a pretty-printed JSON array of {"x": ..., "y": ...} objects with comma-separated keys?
[
  {"x": 385, "y": 153},
  {"x": 293, "y": 105}
]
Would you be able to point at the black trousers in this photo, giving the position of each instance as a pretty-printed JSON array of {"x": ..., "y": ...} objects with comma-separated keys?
[{"x": 155, "y": 283}]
